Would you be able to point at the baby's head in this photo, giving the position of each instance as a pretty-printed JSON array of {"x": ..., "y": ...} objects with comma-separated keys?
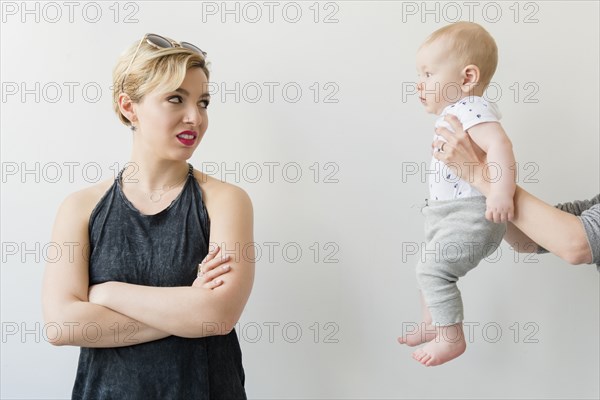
[{"x": 454, "y": 62}]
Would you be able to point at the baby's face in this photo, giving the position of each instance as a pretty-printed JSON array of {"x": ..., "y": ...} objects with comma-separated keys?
[{"x": 440, "y": 81}]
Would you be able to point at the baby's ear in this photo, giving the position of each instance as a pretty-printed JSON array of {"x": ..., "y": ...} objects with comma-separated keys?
[{"x": 470, "y": 78}]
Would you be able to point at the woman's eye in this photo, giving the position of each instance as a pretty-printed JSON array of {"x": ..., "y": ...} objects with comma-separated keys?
[
  {"x": 175, "y": 97},
  {"x": 202, "y": 103}
]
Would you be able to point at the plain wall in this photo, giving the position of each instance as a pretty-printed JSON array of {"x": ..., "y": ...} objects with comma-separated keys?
[{"x": 333, "y": 159}]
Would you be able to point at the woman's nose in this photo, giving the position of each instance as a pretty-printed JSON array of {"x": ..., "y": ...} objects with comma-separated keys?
[{"x": 194, "y": 116}]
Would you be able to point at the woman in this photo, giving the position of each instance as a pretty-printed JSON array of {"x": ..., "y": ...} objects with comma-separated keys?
[
  {"x": 149, "y": 322},
  {"x": 570, "y": 230}
]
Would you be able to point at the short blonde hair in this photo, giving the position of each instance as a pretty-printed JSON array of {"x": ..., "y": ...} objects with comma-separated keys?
[
  {"x": 152, "y": 69},
  {"x": 469, "y": 43}
]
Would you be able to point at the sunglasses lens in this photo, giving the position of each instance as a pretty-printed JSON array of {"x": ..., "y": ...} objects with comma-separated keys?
[
  {"x": 159, "y": 41},
  {"x": 193, "y": 48}
]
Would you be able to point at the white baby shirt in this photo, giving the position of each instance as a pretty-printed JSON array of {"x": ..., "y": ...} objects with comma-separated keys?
[{"x": 443, "y": 183}]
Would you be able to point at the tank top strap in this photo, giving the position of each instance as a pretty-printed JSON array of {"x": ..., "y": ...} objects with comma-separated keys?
[{"x": 120, "y": 175}]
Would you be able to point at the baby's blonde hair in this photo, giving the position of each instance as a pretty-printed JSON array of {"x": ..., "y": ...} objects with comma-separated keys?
[
  {"x": 469, "y": 43},
  {"x": 152, "y": 69}
]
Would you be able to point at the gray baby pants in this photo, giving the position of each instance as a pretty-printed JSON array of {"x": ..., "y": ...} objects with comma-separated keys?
[{"x": 458, "y": 237}]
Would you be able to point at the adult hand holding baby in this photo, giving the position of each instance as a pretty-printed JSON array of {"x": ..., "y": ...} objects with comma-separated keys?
[
  {"x": 461, "y": 153},
  {"x": 535, "y": 222},
  {"x": 458, "y": 148}
]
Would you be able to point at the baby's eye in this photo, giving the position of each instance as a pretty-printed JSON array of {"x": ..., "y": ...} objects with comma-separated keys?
[{"x": 428, "y": 74}]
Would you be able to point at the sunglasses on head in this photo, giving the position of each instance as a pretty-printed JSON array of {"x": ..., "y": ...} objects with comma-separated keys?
[{"x": 160, "y": 42}]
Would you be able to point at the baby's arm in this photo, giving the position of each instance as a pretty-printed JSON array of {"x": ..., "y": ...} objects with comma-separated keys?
[{"x": 492, "y": 139}]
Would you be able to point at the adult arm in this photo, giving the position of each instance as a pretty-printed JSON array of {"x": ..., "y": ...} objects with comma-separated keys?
[
  {"x": 538, "y": 222},
  {"x": 197, "y": 311},
  {"x": 560, "y": 232},
  {"x": 69, "y": 317},
  {"x": 578, "y": 207}
]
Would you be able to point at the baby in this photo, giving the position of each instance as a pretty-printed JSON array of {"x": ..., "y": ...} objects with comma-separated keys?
[{"x": 455, "y": 65}]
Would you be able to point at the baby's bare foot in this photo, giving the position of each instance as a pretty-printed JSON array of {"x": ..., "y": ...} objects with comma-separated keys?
[
  {"x": 448, "y": 344},
  {"x": 422, "y": 334}
]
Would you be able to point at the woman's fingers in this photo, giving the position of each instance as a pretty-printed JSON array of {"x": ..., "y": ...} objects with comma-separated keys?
[
  {"x": 215, "y": 272},
  {"x": 213, "y": 263},
  {"x": 212, "y": 253},
  {"x": 445, "y": 151},
  {"x": 445, "y": 133},
  {"x": 439, "y": 144},
  {"x": 212, "y": 267},
  {"x": 213, "y": 284},
  {"x": 455, "y": 124},
  {"x": 210, "y": 261},
  {"x": 207, "y": 285},
  {"x": 217, "y": 282}
]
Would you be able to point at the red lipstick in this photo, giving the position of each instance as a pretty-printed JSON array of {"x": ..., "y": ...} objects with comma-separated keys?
[{"x": 187, "y": 138}]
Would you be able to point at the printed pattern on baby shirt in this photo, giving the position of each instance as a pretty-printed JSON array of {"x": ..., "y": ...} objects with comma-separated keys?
[{"x": 443, "y": 182}]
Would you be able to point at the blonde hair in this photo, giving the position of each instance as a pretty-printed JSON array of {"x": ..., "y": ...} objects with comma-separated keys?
[
  {"x": 469, "y": 43},
  {"x": 152, "y": 69}
]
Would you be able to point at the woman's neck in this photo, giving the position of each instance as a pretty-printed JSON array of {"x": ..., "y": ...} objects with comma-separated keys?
[{"x": 150, "y": 175}]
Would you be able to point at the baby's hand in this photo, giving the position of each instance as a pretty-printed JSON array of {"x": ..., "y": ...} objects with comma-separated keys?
[
  {"x": 500, "y": 208},
  {"x": 210, "y": 269}
]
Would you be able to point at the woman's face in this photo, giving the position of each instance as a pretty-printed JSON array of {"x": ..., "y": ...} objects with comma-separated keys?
[{"x": 172, "y": 124}]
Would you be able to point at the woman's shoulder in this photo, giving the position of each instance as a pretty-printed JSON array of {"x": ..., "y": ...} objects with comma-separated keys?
[
  {"x": 81, "y": 203},
  {"x": 222, "y": 195}
]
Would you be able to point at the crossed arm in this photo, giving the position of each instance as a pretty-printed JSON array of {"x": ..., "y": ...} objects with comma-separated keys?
[{"x": 124, "y": 314}]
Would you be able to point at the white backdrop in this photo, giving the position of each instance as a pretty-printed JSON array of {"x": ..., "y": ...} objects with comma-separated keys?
[{"x": 314, "y": 115}]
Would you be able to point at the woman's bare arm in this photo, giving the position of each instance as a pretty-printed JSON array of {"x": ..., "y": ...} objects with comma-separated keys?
[
  {"x": 561, "y": 233},
  {"x": 195, "y": 311},
  {"x": 70, "y": 319},
  {"x": 519, "y": 240}
]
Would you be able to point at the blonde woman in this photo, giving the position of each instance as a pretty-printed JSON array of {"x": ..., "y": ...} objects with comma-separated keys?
[{"x": 153, "y": 309}]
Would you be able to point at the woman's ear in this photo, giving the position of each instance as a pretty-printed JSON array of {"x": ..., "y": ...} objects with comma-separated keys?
[
  {"x": 470, "y": 78},
  {"x": 126, "y": 107}
]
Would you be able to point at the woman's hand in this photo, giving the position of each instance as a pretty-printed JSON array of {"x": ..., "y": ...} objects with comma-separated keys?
[
  {"x": 210, "y": 269},
  {"x": 462, "y": 154},
  {"x": 208, "y": 272}
]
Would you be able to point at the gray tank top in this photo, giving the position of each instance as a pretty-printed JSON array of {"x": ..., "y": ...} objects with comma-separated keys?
[{"x": 163, "y": 250}]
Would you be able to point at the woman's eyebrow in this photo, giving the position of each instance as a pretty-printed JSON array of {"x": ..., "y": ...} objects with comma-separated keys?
[{"x": 182, "y": 90}]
